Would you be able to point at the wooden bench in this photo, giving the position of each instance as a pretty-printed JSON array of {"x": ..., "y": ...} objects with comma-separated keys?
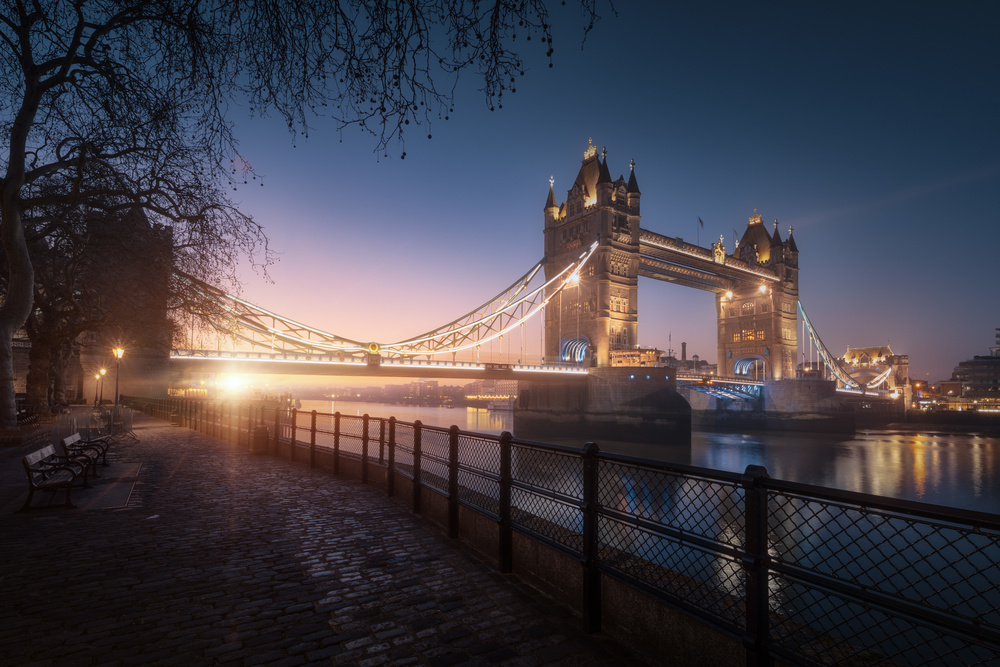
[
  {"x": 88, "y": 455},
  {"x": 47, "y": 470},
  {"x": 97, "y": 447}
]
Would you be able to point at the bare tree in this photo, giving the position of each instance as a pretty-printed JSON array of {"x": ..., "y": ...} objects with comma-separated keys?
[
  {"x": 108, "y": 274},
  {"x": 111, "y": 104}
]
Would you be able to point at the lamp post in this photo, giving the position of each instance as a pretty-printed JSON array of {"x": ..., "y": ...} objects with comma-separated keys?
[
  {"x": 97, "y": 380},
  {"x": 118, "y": 369},
  {"x": 103, "y": 371}
]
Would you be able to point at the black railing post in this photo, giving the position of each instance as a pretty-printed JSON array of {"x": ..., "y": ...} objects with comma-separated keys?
[
  {"x": 591, "y": 570},
  {"x": 364, "y": 448},
  {"x": 291, "y": 454},
  {"x": 390, "y": 471},
  {"x": 453, "y": 482},
  {"x": 416, "y": 467},
  {"x": 381, "y": 441},
  {"x": 312, "y": 441},
  {"x": 277, "y": 430},
  {"x": 755, "y": 564},
  {"x": 506, "y": 556},
  {"x": 336, "y": 443}
]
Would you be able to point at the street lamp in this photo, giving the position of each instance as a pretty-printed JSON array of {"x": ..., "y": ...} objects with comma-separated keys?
[
  {"x": 103, "y": 372},
  {"x": 97, "y": 380},
  {"x": 118, "y": 370}
]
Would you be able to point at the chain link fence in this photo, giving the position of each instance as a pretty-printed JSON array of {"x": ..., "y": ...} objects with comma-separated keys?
[{"x": 801, "y": 574}]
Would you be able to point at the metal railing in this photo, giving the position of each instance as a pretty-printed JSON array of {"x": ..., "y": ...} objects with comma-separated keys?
[{"x": 797, "y": 573}]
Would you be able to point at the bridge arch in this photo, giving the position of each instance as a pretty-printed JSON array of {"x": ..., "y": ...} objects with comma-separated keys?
[
  {"x": 574, "y": 349},
  {"x": 752, "y": 367}
]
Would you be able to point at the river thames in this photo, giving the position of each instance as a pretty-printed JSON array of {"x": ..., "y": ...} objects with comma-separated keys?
[{"x": 942, "y": 468}]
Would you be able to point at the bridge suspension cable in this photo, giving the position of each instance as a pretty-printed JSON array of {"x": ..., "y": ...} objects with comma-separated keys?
[
  {"x": 262, "y": 328},
  {"x": 832, "y": 363}
]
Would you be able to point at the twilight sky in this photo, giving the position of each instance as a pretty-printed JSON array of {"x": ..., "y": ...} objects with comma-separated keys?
[{"x": 871, "y": 128}]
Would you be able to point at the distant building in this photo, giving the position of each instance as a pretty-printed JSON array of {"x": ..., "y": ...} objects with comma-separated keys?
[
  {"x": 877, "y": 367},
  {"x": 491, "y": 390},
  {"x": 694, "y": 365},
  {"x": 639, "y": 357},
  {"x": 979, "y": 380}
]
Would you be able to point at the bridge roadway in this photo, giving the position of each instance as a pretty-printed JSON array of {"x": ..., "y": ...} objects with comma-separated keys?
[
  {"x": 214, "y": 556},
  {"x": 291, "y": 363}
]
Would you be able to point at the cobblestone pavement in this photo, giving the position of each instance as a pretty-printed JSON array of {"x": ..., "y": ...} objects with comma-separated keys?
[{"x": 224, "y": 557}]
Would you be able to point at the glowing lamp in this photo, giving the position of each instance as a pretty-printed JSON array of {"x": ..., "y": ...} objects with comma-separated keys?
[{"x": 119, "y": 353}]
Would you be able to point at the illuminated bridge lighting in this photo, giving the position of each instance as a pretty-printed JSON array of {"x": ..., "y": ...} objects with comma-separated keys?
[
  {"x": 329, "y": 360},
  {"x": 246, "y": 323}
]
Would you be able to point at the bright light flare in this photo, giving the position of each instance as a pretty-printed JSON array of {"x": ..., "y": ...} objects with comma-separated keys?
[{"x": 233, "y": 383}]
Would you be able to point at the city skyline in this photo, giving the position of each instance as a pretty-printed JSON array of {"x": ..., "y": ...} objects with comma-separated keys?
[{"x": 871, "y": 132}]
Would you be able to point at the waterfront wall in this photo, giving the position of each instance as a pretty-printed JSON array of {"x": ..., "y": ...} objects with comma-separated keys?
[
  {"x": 640, "y": 404},
  {"x": 803, "y": 405}
]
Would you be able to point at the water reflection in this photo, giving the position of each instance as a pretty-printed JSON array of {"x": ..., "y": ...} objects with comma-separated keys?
[
  {"x": 479, "y": 420},
  {"x": 951, "y": 469}
]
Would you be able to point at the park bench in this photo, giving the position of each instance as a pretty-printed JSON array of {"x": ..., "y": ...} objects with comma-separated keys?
[
  {"x": 75, "y": 449},
  {"x": 96, "y": 446},
  {"x": 46, "y": 469}
]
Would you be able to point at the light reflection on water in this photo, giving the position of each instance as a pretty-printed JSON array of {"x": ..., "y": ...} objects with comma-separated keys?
[{"x": 951, "y": 469}]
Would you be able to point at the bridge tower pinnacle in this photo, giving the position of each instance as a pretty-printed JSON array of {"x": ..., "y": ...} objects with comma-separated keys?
[{"x": 588, "y": 321}]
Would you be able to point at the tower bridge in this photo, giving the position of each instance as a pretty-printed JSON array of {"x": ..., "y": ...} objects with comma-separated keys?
[
  {"x": 756, "y": 285},
  {"x": 584, "y": 291}
]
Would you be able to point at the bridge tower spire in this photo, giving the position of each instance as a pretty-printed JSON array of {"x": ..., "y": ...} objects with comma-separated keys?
[{"x": 588, "y": 321}]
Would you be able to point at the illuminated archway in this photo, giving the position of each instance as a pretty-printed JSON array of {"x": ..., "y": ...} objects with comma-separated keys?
[
  {"x": 574, "y": 349},
  {"x": 751, "y": 367}
]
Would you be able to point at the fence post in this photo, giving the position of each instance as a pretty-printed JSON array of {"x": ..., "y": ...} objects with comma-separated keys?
[
  {"x": 591, "y": 571},
  {"x": 336, "y": 443},
  {"x": 390, "y": 471},
  {"x": 291, "y": 454},
  {"x": 364, "y": 448},
  {"x": 312, "y": 441},
  {"x": 506, "y": 557},
  {"x": 453, "y": 482},
  {"x": 755, "y": 564},
  {"x": 381, "y": 441},
  {"x": 416, "y": 466},
  {"x": 277, "y": 430}
]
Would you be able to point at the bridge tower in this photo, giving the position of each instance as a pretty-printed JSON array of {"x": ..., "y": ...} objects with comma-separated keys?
[
  {"x": 590, "y": 320},
  {"x": 758, "y": 332}
]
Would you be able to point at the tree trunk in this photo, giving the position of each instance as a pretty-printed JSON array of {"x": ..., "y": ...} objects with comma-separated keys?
[
  {"x": 40, "y": 372},
  {"x": 60, "y": 369},
  {"x": 17, "y": 302},
  {"x": 8, "y": 407}
]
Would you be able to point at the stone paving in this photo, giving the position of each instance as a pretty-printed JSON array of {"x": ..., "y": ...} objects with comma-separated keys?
[{"x": 222, "y": 557}]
